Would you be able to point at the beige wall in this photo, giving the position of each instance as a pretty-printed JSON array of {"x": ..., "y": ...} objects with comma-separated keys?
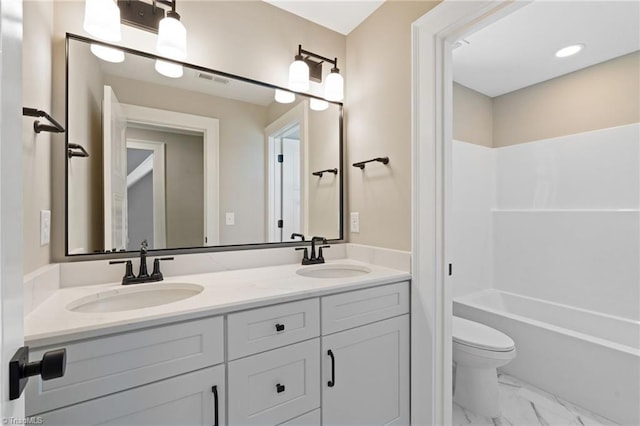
[
  {"x": 472, "y": 116},
  {"x": 378, "y": 123},
  {"x": 248, "y": 38},
  {"x": 597, "y": 97},
  {"x": 36, "y": 148}
]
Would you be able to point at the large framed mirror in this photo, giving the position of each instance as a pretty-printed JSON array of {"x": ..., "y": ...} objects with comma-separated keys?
[{"x": 199, "y": 160}]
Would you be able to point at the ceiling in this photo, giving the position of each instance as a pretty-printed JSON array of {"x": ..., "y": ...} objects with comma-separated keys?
[
  {"x": 338, "y": 15},
  {"x": 519, "y": 50}
]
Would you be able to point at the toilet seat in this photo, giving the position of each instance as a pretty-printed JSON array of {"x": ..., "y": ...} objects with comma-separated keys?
[{"x": 479, "y": 336}]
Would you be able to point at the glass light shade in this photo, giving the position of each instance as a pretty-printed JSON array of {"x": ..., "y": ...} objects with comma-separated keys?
[
  {"x": 172, "y": 39},
  {"x": 107, "y": 53},
  {"x": 299, "y": 76},
  {"x": 102, "y": 19},
  {"x": 284, "y": 97},
  {"x": 318, "y": 104},
  {"x": 169, "y": 69},
  {"x": 334, "y": 87}
]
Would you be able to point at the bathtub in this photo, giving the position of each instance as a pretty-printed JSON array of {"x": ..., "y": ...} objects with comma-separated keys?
[{"x": 588, "y": 358}]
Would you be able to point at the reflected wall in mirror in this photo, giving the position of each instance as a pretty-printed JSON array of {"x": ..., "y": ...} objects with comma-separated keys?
[{"x": 206, "y": 159}]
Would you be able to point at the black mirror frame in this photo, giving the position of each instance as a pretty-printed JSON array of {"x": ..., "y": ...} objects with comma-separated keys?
[{"x": 186, "y": 250}]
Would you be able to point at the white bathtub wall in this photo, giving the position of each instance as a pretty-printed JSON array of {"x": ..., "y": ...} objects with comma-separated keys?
[
  {"x": 592, "y": 170},
  {"x": 473, "y": 182},
  {"x": 567, "y": 224}
]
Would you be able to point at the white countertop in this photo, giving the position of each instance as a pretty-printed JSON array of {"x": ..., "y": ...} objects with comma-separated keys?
[{"x": 51, "y": 323}]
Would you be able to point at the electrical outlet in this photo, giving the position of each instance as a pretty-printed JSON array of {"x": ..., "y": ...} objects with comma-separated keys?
[
  {"x": 230, "y": 218},
  {"x": 355, "y": 223},
  {"x": 45, "y": 227}
]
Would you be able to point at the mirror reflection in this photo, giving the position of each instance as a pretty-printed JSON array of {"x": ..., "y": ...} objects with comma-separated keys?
[{"x": 202, "y": 159}]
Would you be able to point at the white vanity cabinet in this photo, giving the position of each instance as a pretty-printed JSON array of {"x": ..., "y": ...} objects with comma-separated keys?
[
  {"x": 340, "y": 359},
  {"x": 138, "y": 377},
  {"x": 366, "y": 367}
]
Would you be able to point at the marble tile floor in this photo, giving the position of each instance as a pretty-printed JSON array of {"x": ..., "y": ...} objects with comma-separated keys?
[{"x": 525, "y": 405}]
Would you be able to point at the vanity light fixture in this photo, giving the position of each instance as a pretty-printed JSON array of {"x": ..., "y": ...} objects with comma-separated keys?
[
  {"x": 284, "y": 96},
  {"x": 304, "y": 69},
  {"x": 569, "y": 50},
  {"x": 318, "y": 104},
  {"x": 172, "y": 36},
  {"x": 102, "y": 20}
]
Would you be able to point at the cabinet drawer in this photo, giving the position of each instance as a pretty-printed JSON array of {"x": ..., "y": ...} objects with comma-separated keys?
[
  {"x": 186, "y": 400},
  {"x": 310, "y": 419},
  {"x": 113, "y": 363},
  {"x": 355, "y": 308},
  {"x": 259, "y": 330},
  {"x": 275, "y": 386}
]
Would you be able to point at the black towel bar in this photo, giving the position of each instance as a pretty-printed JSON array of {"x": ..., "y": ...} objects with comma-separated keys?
[{"x": 37, "y": 126}]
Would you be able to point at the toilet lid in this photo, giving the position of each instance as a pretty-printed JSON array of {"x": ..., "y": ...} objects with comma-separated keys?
[{"x": 480, "y": 336}]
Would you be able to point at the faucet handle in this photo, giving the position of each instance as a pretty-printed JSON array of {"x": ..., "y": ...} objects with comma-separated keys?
[
  {"x": 128, "y": 273},
  {"x": 156, "y": 275},
  {"x": 305, "y": 255},
  {"x": 320, "y": 256}
]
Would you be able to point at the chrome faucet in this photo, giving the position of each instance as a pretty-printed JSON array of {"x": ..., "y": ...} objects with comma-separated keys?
[{"x": 143, "y": 274}]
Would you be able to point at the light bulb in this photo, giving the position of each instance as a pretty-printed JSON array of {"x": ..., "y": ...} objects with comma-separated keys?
[
  {"x": 569, "y": 50},
  {"x": 172, "y": 38},
  {"x": 108, "y": 54},
  {"x": 102, "y": 19},
  {"x": 284, "y": 96},
  {"x": 334, "y": 86},
  {"x": 318, "y": 104},
  {"x": 169, "y": 69},
  {"x": 299, "y": 75}
]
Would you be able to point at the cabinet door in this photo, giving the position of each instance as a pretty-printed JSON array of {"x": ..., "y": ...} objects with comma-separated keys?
[
  {"x": 192, "y": 399},
  {"x": 366, "y": 375}
]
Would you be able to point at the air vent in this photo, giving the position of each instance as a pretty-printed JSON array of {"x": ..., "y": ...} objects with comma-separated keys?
[{"x": 212, "y": 78}]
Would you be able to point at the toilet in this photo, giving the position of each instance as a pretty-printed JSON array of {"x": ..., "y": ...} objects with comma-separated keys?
[{"x": 478, "y": 350}]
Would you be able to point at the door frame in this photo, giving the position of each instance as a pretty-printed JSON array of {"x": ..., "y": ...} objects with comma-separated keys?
[
  {"x": 433, "y": 36},
  {"x": 11, "y": 204},
  {"x": 299, "y": 114},
  {"x": 209, "y": 128},
  {"x": 159, "y": 202}
]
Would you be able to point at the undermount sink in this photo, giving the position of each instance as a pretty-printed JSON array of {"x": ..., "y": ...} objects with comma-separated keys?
[
  {"x": 333, "y": 270},
  {"x": 132, "y": 297}
]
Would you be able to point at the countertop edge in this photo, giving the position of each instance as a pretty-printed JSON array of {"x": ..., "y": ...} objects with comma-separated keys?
[{"x": 44, "y": 340}]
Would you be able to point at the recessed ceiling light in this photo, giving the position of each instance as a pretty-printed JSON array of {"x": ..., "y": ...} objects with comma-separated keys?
[{"x": 569, "y": 50}]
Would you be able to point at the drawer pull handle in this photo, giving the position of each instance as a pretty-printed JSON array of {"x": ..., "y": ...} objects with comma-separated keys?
[
  {"x": 279, "y": 327},
  {"x": 279, "y": 388},
  {"x": 331, "y": 383},
  {"x": 214, "y": 389}
]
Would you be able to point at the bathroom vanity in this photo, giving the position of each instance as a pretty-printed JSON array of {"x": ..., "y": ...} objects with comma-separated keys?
[{"x": 325, "y": 344}]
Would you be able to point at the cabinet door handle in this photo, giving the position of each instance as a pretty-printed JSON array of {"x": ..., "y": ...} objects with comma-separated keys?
[
  {"x": 279, "y": 388},
  {"x": 279, "y": 327},
  {"x": 214, "y": 389},
  {"x": 331, "y": 383}
]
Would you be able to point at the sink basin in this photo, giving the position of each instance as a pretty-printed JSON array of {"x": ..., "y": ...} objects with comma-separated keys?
[
  {"x": 132, "y": 297},
  {"x": 333, "y": 270}
]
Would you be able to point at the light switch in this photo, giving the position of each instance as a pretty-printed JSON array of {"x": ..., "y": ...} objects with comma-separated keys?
[
  {"x": 230, "y": 218},
  {"x": 45, "y": 227},
  {"x": 355, "y": 223}
]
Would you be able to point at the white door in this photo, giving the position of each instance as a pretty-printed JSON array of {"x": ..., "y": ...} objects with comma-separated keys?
[
  {"x": 11, "y": 125},
  {"x": 114, "y": 125},
  {"x": 366, "y": 376},
  {"x": 291, "y": 186}
]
